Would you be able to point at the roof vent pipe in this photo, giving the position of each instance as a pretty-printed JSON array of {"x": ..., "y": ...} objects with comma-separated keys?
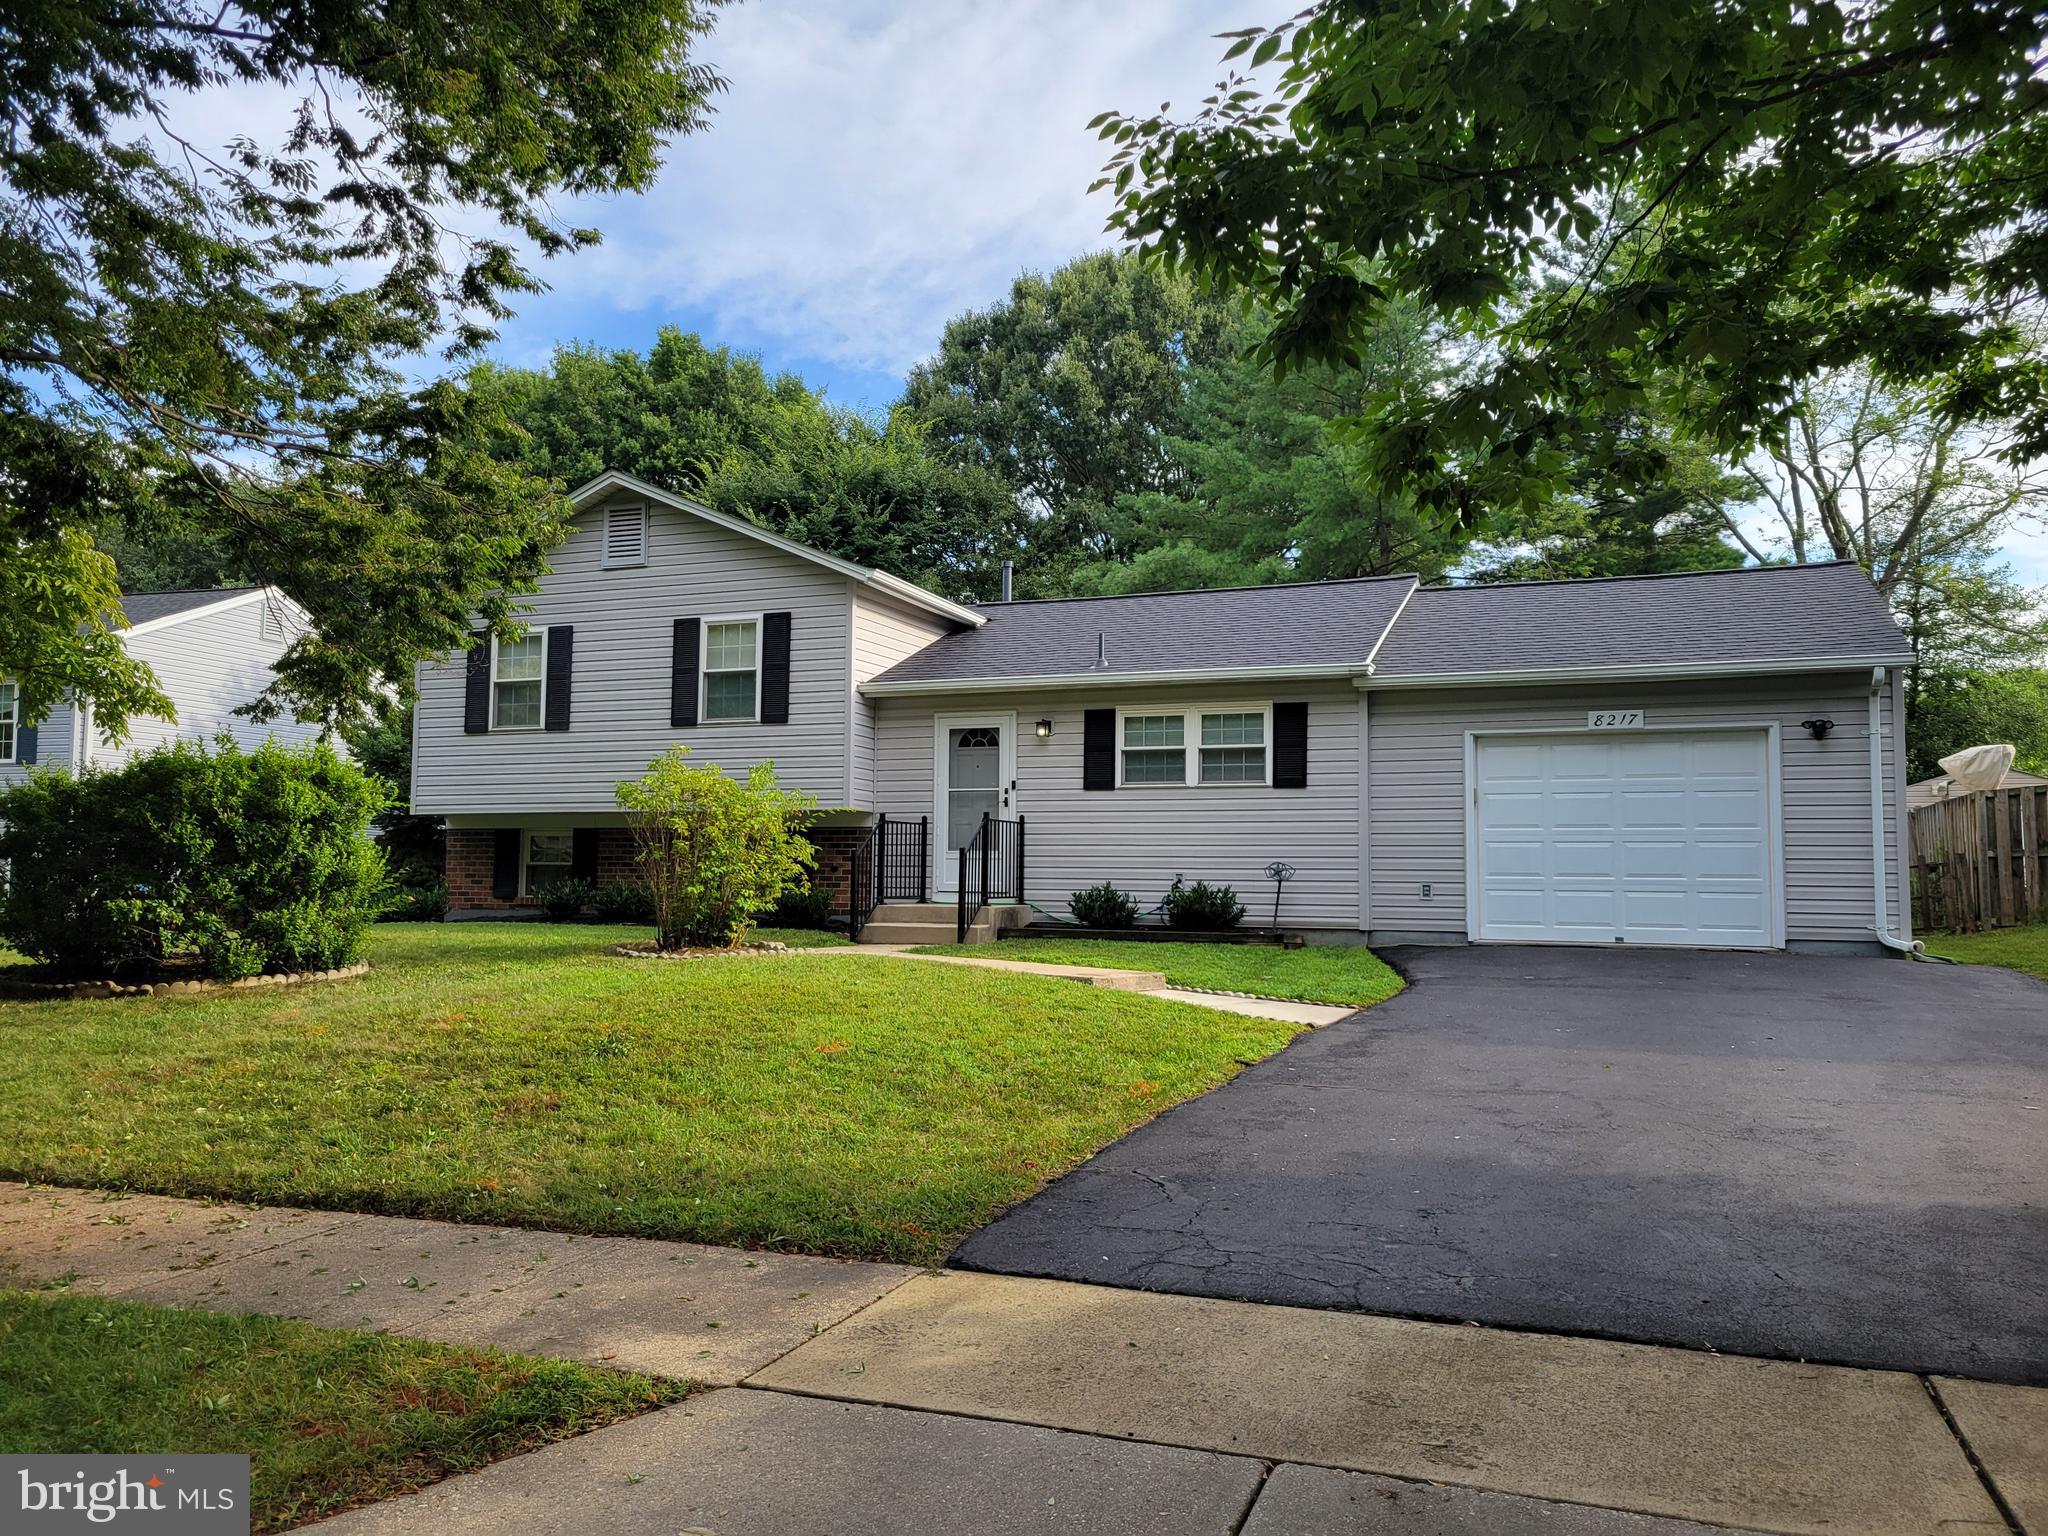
[
  {"x": 1009, "y": 571},
  {"x": 1101, "y": 652}
]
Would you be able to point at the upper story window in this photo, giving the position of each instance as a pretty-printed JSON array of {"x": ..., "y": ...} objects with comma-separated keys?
[
  {"x": 519, "y": 682},
  {"x": 1227, "y": 746},
  {"x": 625, "y": 535},
  {"x": 732, "y": 669},
  {"x": 1155, "y": 749},
  {"x": 10, "y": 711}
]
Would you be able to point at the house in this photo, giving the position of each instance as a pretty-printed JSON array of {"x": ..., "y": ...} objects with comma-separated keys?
[
  {"x": 212, "y": 652},
  {"x": 1935, "y": 790},
  {"x": 1701, "y": 759}
]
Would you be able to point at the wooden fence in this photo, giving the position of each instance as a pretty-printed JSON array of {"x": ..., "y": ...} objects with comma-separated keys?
[{"x": 1981, "y": 861}]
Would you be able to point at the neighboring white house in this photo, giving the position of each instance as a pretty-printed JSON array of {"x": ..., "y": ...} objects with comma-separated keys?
[
  {"x": 1704, "y": 759},
  {"x": 212, "y": 652}
]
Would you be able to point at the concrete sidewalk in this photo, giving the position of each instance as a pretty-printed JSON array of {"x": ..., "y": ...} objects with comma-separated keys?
[{"x": 878, "y": 1398}]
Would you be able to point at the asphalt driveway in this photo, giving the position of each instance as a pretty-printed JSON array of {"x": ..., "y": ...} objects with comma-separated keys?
[{"x": 1821, "y": 1158}]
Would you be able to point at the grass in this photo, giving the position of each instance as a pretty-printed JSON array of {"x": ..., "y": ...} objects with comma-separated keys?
[
  {"x": 798, "y": 938},
  {"x": 328, "y": 1418},
  {"x": 1326, "y": 973},
  {"x": 2021, "y": 949},
  {"x": 514, "y": 1073}
]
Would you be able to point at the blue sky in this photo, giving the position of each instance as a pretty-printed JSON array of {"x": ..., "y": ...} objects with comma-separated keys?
[{"x": 874, "y": 170}]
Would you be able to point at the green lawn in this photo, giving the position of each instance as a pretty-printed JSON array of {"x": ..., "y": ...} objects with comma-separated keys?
[
  {"x": 515, "y": 1073},
  {"x": 2020, "y": 949},
  {"x": 1327, "y": 973},
  {"x": 328, "y": 1418}
]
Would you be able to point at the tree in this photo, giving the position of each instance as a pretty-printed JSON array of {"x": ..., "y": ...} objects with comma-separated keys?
[
  {"x": 1739, "y": 195},
  {"x": 196, "y": 334},
  {"x": 1968, "y": 706},
  {"x": 1268, "y": 488},
  {"x": 709, "y": 423},
  {"x": 1066, "y": 392}
]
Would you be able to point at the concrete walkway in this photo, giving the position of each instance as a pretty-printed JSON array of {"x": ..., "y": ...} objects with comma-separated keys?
[
  {"x": 878, "y": 1398},
  {"x": 1152, "y": 983}
]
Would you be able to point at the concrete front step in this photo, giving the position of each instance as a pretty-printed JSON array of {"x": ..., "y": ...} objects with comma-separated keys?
[{"x": 880, "y": 931}]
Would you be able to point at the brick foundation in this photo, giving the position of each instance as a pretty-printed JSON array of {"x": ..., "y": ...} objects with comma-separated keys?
[{"x": 471, "y": 852}]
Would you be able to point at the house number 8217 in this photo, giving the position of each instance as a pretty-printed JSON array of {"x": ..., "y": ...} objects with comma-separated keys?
[{"x": 1613, "y": 719}]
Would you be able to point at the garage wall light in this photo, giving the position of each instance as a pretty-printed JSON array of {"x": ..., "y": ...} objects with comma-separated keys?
[
  {"x": 1818, "y": 727},
  {"x": 1045, "y": 730}
]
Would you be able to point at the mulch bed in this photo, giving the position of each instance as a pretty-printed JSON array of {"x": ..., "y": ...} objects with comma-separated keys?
[{"x": 643, "y": 949}]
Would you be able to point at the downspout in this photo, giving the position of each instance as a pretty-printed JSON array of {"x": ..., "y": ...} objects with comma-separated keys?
[{"x": 1880, "y": 882}]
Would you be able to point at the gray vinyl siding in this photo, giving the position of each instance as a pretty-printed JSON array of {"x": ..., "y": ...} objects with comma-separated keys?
[
  {"x": 625, "y": 621},
  {"x": 53, "y": 746},
  {"x": 209, "y": 665},
  {"x": 1417, "y": 788},
  {"x": 1140, "y": 838},
  {"x": 883, "y": 633}
]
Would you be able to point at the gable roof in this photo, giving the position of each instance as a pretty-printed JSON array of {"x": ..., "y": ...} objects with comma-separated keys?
[
  {"x": 154, "y": 607},
  {"x": 589, "y": 493},
  {"x": 1388, "y": 631},
  {"x": 1694, "y": 621},
  {"x": 1328, "y": 627}
]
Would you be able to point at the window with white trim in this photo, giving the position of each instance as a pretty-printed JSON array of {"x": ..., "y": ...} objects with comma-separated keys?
[
  {"x": 10, "y": 717},
  {"x": 1234, "y": 747},
  {"x": 625, "y": 535},
  {"x": 732, "y": 669},
  {"x": 519, "y": 682},
  {"x": 549, "y": 856},
  {"x": 1155, "y": 749},
  {"x": 1204, "y": 745}
]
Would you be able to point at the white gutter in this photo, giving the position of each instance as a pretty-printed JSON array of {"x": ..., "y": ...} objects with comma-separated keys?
[
  {"x": 1880, "y": 876},
  {"x": 1537, "y": 676}
]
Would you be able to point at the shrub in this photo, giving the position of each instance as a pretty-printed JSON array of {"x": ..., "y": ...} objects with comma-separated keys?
[
  {"x": 1103, "y": 906},
  {"x": 715, "y": 852},
  {"x": 1202, "y": 906},
  {"x": 624, "y": 901},
  {"x": 253, "y": 861},
  {"x": 414, "y": 903},
  {"x": 802, "y": 907},
  {"x": 563, "y": 900}
]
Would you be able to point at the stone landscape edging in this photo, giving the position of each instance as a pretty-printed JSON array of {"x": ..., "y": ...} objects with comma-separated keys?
[{"x": 66, "y": 991}]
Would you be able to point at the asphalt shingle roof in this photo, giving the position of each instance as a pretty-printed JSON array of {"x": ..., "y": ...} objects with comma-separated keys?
[
  {"x": 1309, "y": 624},
  {"x": 1756, "y": 613},
  {"x": 141, "y": 607}
]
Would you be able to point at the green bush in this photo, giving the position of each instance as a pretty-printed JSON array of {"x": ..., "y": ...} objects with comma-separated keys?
[
  {"x": 624, "y": 901},
  {"x": 715, "y": 852},
  {"x": 802, "y": 907},
  {"x": 414, "y": 903},
  {"x": 563, "y": 900},
  {"x": 1103, "y": 906},
  {"x": 1202, "y": 906},
  {"x": 252, "y": 861}
]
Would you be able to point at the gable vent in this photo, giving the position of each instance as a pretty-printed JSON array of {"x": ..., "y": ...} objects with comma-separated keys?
[{"x": 625, "y": 535}]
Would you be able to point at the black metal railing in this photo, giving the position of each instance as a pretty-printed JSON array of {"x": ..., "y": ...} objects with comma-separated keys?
[
  {"x": 991, "y": 869},
  {"x": 892, "y": 863}
]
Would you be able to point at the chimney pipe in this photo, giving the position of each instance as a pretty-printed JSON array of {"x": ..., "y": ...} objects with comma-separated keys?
[{"x": 1009, "y": 570}]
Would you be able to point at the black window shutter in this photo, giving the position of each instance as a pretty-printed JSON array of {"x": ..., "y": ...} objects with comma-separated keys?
[
  {"x": 682, "y": 685},
  {"x": 24, "y": 744},
  {"x": 1290, "y": 746},
  {"x": 505, "y": 848},
  {"x": 561, "y": 666},
  {"x": 1098, "y": 749},
  {"x": 476, "y": 687},
  {"x": 583, "y": 854},
  {"x": 775, "y": 669}
]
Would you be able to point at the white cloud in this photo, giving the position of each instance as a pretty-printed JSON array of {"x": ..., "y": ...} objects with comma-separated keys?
[{"x": 875, "y": 169}]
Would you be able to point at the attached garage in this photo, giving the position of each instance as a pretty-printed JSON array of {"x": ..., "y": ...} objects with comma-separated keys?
[{"x": 1626, "y": 834}]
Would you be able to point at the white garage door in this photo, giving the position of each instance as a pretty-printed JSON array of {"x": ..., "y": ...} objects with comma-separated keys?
[{"x": 1652, "y": 838}]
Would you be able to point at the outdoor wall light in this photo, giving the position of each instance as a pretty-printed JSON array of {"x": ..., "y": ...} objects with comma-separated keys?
[
  {"x": 1045, "y": 730},
  {"x": 1818, "y": 727}
]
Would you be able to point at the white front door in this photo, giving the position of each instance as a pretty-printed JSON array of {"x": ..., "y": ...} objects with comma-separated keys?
[
  {"x": 976, "y": 775},
  {"x": 1658, "y": 837}
]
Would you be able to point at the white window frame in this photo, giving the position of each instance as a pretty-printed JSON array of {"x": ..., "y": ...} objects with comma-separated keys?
[
  {"x": 1191, "y": 743},
  {"x": 704, "y": 668},
  {"x": 533, "y": 632},
  {"x": 13, "y": 722},
  {"x": 526, "y": 837},
  {"x": 604, "y": 534}
]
